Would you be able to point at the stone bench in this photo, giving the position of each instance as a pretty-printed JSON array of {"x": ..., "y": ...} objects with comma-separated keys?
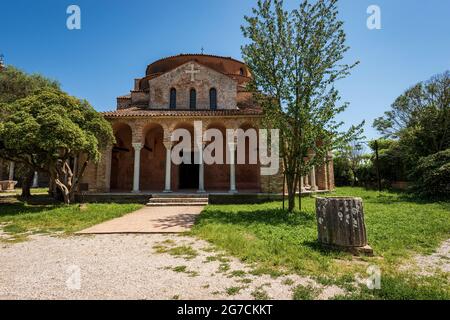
[{"x": 7, "y": 185}]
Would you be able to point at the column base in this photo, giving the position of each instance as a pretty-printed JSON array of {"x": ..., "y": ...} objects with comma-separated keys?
[
  {"x": 136, "y": 191},
  {"x": 201, "y": 191},
  {"x": 232, "y": 191},
  {"x": 167, "y": 191}
]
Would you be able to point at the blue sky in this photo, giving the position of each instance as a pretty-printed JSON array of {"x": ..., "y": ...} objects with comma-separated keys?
[{"x": 119, "y": 38}]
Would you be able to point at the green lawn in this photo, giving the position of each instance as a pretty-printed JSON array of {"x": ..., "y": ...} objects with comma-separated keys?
[
  {"x": 18, "y": 191},
  {"x": 41, "y": 217},
  {"x": 277, "y": 242}
]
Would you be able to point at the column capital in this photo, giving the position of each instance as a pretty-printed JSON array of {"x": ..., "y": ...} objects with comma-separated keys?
[
  {"x": 232, "y": 144},
  {"x": 168, "y": 144},
  {"x": 137, "y": 145},
  {"x": 329, "y": 155}
]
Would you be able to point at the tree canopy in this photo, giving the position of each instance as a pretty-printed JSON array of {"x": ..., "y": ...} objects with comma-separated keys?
[
  {"x": 409, "y": 109},
  {"x": 16, "y": 84},
  {"x": 419, "y": 123},
  {"x": 48, "y": 129}
]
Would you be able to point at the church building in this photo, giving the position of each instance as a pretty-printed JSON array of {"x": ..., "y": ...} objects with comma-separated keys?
[{"x": 175, "y": 92}]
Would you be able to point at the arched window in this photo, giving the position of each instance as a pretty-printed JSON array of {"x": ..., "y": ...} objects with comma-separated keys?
[
  {"x": 173, "y": 98},
  {"x": 213, "y": 99},
  {"x": 193, "y": 99},
  {"x": 241, "y": 71}
]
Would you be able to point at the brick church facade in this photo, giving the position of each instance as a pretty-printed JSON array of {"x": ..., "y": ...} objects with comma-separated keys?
[{"x": 175, "y": 92}]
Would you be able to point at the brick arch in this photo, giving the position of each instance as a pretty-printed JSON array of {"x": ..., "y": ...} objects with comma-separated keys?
[
  {"x": 248, "y": 175},
  {"x": 122, "y": 159},
  {"x": 175, "y": 169},
  {"x": 184, "y": 125},
  {"x": 217, "y": 176},
  {"x": 153, "y": 157}
]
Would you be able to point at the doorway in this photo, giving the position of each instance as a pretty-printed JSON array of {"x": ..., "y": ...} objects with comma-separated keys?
[{"x": 188, "y": 175}]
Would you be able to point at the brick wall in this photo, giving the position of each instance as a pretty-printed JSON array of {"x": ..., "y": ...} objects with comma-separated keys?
[{"x": 204, "y": 81}]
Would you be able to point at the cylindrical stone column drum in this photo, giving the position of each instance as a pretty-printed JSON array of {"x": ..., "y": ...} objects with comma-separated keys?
[{"x": 340, "y": 221}]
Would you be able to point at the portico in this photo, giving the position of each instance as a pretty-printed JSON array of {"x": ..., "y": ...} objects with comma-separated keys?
[{"x": 143, "y": 152}]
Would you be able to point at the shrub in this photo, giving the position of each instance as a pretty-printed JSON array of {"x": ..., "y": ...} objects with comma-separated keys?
[{"x": 431, "y": 176}]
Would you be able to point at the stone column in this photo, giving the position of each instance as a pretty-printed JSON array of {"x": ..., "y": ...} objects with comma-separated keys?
[
  {"x": 313, "y": 179},
  {"x": 11, "y": 170},
  {"x": 137, "y": 146},
  {"x": 302, "y": 184},
  {"x": 108, "y": 163},
  {"x": 325, "y": 174},
  {"x": 201, "y": 170},
  {"x": 168, "y": 145},
  {"x": 35, "y": 180},
  {"x": 75, "y": 165},
  {"x": 329, "y": 170},
  {"x": 232, "y": 148}
]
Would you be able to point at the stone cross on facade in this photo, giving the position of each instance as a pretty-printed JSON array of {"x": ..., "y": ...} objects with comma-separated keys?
[{"x": 192, "y": 72}]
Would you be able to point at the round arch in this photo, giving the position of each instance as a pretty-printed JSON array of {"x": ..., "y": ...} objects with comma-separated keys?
[
  {"x": 153, "y": 156},
  {"x": 217, "y": 175},
  {"x": 248, "y": 175},
  {"x": 122, "y": 159}
]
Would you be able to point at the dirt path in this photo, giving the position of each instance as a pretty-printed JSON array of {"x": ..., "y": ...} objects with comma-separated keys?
[
  {"x": 439, "y": 261},
  {"x": 148, "y": 266}
]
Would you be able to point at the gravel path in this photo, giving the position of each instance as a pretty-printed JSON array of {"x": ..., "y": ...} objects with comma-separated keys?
[
  {"x": 130, "y": 267},
  {"x": 438, "y": 261}
]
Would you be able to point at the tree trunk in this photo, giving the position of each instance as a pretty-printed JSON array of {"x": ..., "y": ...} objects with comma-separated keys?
[
  {"x": 284, "y": 187},
  {"x": 341, "y": 223},
  {"x": 27, "y": 181},
  {"x": 291, "y": 180}
]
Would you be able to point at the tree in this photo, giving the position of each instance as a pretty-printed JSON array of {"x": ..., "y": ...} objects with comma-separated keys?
[
  {"x": 14, "y": 85},
  {"x": 295, "y": 58},
  {"x": 431, "y": 175},
  {"x": 419, "y": 122},
  {"x": 353, "y": 153},
  {"x": 407, "y": 110},
  {"x": 391, "y": 164},
  {"x": 48, "y": 130}
]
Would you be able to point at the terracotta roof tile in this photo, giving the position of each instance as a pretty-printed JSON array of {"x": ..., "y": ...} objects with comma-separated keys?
[{"x": 139, "y": 112}]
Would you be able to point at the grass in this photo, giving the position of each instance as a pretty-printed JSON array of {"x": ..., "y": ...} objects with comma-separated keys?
[
  {"x": 179, "y": 269},
  {"x": 186, "y": 252},
  {"x": 231, "y": 291},
  {"x": 238, "y": 273},
  {"x": 184, "y": 269},
  {"x": 305, "y": 293},
  {"x": 288, "y": 282},
  {"x": 44, "y": 217},
  {"x": 260, "y": 294},
  {"x": 33, "y": 191},
  {"x": 277, "y": 242},
  {"x": 224, "y": 267},
  {"x": 400, "y": 286}
]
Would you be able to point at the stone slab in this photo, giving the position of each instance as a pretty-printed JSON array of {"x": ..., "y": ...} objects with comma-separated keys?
[{"x": 173, "y": 219}]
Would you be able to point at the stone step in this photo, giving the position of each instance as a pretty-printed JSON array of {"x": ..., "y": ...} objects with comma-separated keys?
[
  {"x": 175, "y": 204},
  {"x": 160, "y": 200},
  {"x": 179, "y": 195}
]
